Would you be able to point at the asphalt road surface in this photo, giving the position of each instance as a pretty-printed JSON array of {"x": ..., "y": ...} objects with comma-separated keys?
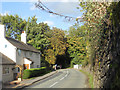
[{"x": 67, "y": 78}]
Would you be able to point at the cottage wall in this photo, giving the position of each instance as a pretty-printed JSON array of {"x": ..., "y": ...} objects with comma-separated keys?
[
  {"x": 15, "y": 54},
  {"x": 10, "y": 75},
  {"x": 21, "y": 54},
  {"x": 7, "y": 49},
  {"x": 0, "y": 68},
  {"x": 36, "y": 58},
  {"x": 0, "y": 73},
  {"x": 5, "y": 46}
]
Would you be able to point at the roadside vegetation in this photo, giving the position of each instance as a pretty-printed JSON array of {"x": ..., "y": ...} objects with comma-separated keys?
[
  {"x": 90, "y": 79},
  {"x": 35, "y": 72}
]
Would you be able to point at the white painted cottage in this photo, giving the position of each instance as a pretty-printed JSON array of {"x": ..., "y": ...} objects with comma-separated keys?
[{"x": 19, "y": 51}]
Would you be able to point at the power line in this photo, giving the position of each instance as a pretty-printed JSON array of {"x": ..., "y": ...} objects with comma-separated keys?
[{"x": 41, "y": 6}]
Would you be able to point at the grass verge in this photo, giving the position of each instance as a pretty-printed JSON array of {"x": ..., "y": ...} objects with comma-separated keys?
[{"x": 90, "y": 78}]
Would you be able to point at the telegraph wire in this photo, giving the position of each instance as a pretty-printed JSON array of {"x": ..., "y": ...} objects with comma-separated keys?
[{"x": 41, "y": 6}]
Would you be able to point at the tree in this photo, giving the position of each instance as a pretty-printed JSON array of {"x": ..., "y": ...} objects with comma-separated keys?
[
  {"x": 94, "y": 19},
  {"x": 102, "y": 20},
  {"x": 37, "y": 36},
  {"x": 77, "y": 44},
  {"x": 14, "y": 24},
  {"x": 57, "y": 46}
]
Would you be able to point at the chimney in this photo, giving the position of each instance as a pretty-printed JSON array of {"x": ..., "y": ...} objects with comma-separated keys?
[
  {"x": 24, "y": 37},
  {"x": 2, "y": 31}
]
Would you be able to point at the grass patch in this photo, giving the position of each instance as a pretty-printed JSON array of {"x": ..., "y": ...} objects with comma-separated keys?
[{"x": 90, "y": 78}]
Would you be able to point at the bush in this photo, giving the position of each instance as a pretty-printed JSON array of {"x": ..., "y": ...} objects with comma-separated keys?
[{"x": 34, "y": 72}]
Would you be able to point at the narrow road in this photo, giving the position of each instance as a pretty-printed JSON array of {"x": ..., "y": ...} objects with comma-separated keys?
[{"x": 67, "y": 78}]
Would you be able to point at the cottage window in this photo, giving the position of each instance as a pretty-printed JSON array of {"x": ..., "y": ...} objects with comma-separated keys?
[
  {"x": 5, "y": 70},
  {"x": 19, "y": 52},
  {"x": 5, "y": 46}
]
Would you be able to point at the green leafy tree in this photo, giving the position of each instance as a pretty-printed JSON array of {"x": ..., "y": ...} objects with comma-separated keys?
[
  {"x": 14, "y": 24},
  {"x": 77, "y": 44},
  {"x": 37, "y": 36}
]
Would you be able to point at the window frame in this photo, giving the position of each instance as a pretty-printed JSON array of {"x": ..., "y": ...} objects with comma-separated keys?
[
  {"x": 19, "y": 52},
  {"x": 5, "y": 46},
  {"x": 5, "y": 72}
]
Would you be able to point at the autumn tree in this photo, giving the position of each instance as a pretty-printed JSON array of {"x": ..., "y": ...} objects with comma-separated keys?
[
  {"x": 57, "y": 46},
  {"x": 94, "y": 18},
  {"x": 102, "y": 20},
  {"x": 77, "y": 44}
]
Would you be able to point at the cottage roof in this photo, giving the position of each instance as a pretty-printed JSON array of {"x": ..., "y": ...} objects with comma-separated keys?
[
  {"x": 6, "y": 60},
  {"x": 21, "y": 45}
]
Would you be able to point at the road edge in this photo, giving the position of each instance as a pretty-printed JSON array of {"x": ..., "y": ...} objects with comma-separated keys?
[{"x": 21, "y": 86}]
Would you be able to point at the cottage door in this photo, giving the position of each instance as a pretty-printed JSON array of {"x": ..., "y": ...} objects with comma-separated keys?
[{"x": 26, "y": 66}]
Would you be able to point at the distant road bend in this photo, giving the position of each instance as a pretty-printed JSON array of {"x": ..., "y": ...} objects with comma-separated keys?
[{"x": 65, "y": 78}]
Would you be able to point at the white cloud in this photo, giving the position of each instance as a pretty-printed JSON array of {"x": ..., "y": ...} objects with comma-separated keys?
[
  {"x": 33, "y": 0},
  {"x": 51, "y": 15},
  {"x": 32, "y": 4},
  {"x": 64, "y": 0},
  {"x": 32, "y": 7},
  {"x": 5, "y": 13},
  {"x": 65, "y": 8},
  {"x": 49, "y": 23},
  {"x": 79, "y": 17},
  {"x": 38, "y": 17}
]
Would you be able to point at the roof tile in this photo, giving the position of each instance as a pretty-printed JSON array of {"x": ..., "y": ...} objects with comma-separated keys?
[{"x": 21, "y": 45}]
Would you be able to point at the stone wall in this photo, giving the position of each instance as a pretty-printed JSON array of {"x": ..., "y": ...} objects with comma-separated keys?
[
  {"x": 106, "y": 70},
  {"x": 10, "y": 76}
]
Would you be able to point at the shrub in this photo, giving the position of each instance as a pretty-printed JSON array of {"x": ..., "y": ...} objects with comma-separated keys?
[{"x": 34, "y": 72}]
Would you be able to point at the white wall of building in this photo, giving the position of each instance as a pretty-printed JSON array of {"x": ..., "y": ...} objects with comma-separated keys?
[
  {"x": 26, "y": 61},
  {"x": 0, "y": 67},
  {"x": 76, "y": 66},
  {"x": 2, "y": 31},
  {"x": 7, "y": 49}
]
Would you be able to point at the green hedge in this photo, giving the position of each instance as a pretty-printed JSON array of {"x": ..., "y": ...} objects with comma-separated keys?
[{"x": 34, "y": 72}]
